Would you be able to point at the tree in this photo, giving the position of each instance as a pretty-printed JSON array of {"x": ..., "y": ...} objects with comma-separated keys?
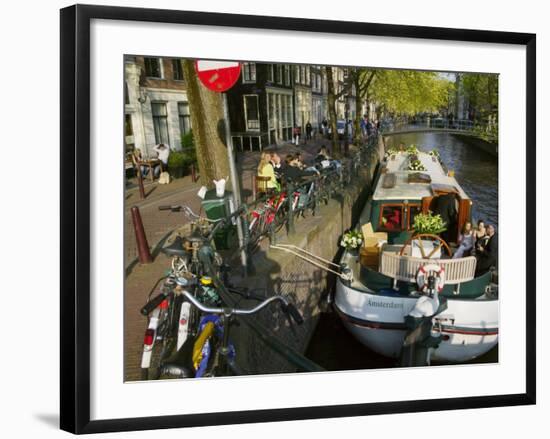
[
  {"x": 410, "y": 91},
  {"x": 481, "y": 89},
  {"x": 207, "y": 122},
  {"x": 331, "y": 99}
]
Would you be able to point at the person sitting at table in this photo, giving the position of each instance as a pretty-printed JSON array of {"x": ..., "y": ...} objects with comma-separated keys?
[
  {"x": 322, "y": 154},
  {"x": 292, "y": 170},
  {"x": 137, "y": 158},
  {"x": 163, "y": 152},
  {"x": 265, "y": 169}
]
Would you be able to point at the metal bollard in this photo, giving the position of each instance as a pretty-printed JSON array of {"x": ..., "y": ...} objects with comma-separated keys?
[{"x": 144, "y": 254}]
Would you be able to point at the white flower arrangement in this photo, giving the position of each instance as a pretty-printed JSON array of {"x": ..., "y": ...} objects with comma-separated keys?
[
  {"x": 352, "y": 240},
  {"x": 416, "y": 165}
]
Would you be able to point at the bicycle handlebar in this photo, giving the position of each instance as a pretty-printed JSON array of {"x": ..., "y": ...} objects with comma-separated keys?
[
  {"x": 152, "y": 304},
  {"x": 286, "y": 305}
]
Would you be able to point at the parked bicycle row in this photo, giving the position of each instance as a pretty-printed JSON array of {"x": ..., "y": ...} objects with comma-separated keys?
[{"x": 191, "y": 314}]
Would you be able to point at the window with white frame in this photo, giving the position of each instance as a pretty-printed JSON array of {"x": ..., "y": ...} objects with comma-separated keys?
[
  {"x": 160, "y": 122},
  {"x": 184, "y": 117},
  {"x": 307, "y": 76},
  {"x": 249, "y": 72},
  {"x": 270, "y": 72},
  {"x": 153, "y": 67},
  {"x": 252, "y": 112}
]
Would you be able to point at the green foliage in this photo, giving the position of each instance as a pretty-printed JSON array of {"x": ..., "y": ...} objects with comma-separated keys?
[
  {"x": 177, "y": 160},
  {"x": 412, "y": 149},
  {"x": 406, "y": 91},
  {"x": 187, "y": 140},
  {"x": 188, "y": 148},
  {"x": 481, "y": 89},
  {"x": 429, "y": 223}
]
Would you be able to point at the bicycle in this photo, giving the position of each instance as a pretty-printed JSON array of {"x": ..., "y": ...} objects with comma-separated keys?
[
  {"x": 270, "y": 217},
  {"x": 212, "y": 352},
  {"x": 171, "y": 322}
]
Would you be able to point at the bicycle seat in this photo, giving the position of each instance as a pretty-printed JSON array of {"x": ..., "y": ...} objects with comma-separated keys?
[
  {"x": 180, "y": 364},
  {"x": 175, "y": 248}
]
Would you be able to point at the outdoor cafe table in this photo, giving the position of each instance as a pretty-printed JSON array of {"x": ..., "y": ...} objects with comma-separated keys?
[{"x": 151, "y": 164}]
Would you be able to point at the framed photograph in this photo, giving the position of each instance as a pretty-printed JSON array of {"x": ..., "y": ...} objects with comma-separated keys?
[{"x": 268, "y": 219}]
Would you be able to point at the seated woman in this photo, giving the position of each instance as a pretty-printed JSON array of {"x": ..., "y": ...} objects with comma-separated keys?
[
  {"x": 481, "y": 236},
  {"x": 265, "y": 169},
  {"x": 465, "y": 240}
]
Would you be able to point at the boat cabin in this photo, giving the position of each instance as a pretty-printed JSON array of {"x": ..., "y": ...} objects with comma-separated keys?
[{"x": 400, "y": 194}]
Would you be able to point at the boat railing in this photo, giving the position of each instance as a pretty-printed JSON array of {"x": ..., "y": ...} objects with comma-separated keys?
[{"x": 404, "y": 268}]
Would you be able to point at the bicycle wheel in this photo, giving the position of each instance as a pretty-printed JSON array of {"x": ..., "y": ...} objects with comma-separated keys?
[
  {"x": 255, "y": 233},
  {"x": 281, "y": 217},
  {"x": 159, "y": 340}
]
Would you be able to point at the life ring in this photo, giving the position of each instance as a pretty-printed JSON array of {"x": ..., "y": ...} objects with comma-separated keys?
[{"x": 423, "y": 273}]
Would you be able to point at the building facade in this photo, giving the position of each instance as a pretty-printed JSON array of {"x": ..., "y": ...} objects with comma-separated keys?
[
  {"x": 156, "y": 107},
  {"x": 261, "y": 106}
]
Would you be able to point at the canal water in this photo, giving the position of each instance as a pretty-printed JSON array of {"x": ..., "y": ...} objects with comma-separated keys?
[{"x": 332, "y": 346}]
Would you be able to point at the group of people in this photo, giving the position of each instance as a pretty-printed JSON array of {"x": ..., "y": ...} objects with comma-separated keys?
[
  {"x": 369, "y": 127},
  {"x": 481, "y": 242},
  {"x": 162, "y": 151},
  {"x": 292, "y": 168}
]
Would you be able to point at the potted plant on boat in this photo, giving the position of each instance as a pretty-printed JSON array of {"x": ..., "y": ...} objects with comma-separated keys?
[
  {"x": 427, "y": 224},
  {"x": 352, "y": 241}
]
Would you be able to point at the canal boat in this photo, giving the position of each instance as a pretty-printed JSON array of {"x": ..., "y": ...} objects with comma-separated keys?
[{"x": 382, "y": 290}]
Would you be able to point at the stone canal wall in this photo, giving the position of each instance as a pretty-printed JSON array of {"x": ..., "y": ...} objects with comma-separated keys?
[
  {"x": 476, "y": 142},
  {"x": 304, "y": 283}
]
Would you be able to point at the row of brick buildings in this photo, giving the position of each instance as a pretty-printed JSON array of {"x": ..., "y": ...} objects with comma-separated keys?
[{"x": 265, "y": 104}]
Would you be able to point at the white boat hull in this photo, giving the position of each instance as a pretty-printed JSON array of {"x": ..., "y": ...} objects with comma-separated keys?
[{"x": 469, "y": 328}]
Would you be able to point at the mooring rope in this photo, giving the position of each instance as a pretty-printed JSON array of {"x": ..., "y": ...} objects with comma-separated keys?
[{"x": 284, "y": 248}]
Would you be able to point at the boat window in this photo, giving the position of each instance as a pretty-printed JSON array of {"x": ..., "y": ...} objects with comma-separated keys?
[
  {"x": 391, "y": 217},
  {"x": 413, "y": 209}
]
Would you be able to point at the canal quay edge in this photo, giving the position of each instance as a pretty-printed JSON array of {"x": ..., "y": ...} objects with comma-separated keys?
[
  {"x": 305, "y": 284},
  {"x": 276, "y": 271}
]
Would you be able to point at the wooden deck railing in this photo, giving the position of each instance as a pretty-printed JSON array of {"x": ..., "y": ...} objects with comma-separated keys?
[{"x": 404, "y": 268}]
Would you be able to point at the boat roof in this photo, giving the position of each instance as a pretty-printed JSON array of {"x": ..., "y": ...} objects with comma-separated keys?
[{"x": 398, "y": 183}]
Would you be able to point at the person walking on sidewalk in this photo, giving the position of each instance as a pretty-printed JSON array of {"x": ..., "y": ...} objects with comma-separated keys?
[
  {"x": 296, "y": 135},
  {"x": 309, "y": 129}
]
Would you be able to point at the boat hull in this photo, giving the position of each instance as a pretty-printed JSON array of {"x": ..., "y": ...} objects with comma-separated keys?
[{"x": 469, "y": 328}]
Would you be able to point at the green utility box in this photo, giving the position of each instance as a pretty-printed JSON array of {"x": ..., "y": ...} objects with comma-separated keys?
[{"x": 221, "y": 207}]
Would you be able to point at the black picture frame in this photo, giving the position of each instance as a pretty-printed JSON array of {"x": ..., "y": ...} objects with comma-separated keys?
[{"x": 75, "y": 217}]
